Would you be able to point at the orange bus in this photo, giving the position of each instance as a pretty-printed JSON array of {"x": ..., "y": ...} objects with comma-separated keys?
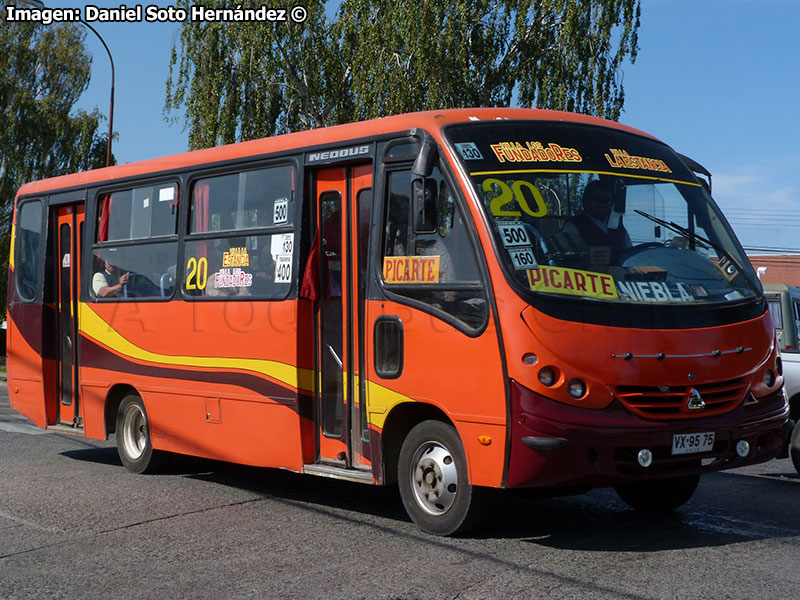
[{"x": 451, "y": 301}]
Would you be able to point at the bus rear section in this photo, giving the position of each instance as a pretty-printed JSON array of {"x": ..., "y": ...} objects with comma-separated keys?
[{"x": 417, "y": 300}]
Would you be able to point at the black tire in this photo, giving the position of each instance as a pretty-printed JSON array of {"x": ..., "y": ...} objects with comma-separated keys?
[
  {"x": 133, "y": 438},
  {"x": 432, "y": 476},
  {"x": 658, "y": 495},
  {"x": 794, "y": 447}
]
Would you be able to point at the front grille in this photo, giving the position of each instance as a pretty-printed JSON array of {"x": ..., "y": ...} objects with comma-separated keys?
[{"x": 672, "y": 402}]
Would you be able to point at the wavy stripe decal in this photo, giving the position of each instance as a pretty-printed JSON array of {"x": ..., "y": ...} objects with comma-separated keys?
[
  {"x": 94, "y": 355},
  {"x": 107, "y": 346},
  {"x": 94, "y": 327}
]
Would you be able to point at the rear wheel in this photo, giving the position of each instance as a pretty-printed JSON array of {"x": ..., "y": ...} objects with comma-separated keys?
[
  {"x": 794, "y": 447},
  {"x": 432, "y": 476},
  {"x": 658, "y": 495},
  {"x": 133, "y": 437}
]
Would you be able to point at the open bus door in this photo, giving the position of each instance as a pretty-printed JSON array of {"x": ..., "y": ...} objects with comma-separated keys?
[
  {"x": 69, "y": 229},
  {"x": 343, "y": 203}
]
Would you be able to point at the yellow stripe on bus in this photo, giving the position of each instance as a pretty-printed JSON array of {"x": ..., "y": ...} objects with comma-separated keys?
[{"x": 92, "y": 325}]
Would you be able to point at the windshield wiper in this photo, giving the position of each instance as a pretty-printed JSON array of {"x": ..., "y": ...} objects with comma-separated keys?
[{"x": 702, "y": 241}]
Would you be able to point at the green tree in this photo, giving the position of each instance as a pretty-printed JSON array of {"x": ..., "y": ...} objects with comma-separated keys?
[
  {"x": 43, "y": 72},
  {"x": 242, "y": 80}
]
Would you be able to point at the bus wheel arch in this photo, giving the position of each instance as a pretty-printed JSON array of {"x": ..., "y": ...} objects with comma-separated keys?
[
  {"x": 113, "y": 400},
  {"x": 400, "y": 421}
]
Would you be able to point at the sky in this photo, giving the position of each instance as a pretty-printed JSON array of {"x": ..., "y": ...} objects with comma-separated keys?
[{"x": 718, "y": 80}]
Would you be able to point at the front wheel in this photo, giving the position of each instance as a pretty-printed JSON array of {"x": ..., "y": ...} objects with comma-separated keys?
[
  {"x": 432, "y": 476},
  {"x": 658, "y": 495},
  {"x": 133, "y": 437}
]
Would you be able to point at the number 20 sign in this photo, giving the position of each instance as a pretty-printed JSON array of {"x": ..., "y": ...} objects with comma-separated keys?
[{"x": 501, "y": 205}]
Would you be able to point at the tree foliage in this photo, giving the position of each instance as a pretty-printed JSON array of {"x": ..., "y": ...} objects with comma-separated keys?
[
  {"x": 243, "y": 80},
  {"x": 43, "y": 72}
]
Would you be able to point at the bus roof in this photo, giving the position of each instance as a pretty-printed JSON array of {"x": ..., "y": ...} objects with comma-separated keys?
[{"x": 431, "y": 121}]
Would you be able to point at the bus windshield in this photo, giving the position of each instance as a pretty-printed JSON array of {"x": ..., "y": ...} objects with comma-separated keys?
[{"x": 598, "y": 214}]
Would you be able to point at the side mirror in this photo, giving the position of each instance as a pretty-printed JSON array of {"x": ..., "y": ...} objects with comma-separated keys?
[
  {"x": 427, "y": 158},
  {"x": 424, "y": 202}
]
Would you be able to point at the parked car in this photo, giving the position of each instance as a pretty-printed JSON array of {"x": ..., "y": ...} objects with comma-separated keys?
[{"x": 784, "y": 306}]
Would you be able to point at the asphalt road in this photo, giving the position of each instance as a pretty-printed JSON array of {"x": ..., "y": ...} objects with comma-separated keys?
[{"x": 75, "y": 524}]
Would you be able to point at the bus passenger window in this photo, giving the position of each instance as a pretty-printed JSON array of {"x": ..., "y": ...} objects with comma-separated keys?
[
  {"x": 131, "y": 257},
  {"x": 240, "y": 258},
  {"x": 439, "y": 269}
]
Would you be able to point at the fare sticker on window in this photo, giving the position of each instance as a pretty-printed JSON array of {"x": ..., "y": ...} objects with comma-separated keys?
[
  {"x": 411, "y": 269},
  {"x": 573, "y": 282}
]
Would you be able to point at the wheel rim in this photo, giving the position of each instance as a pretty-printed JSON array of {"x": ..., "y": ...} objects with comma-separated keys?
[
  {"x": 134, "y": 431},
  {"x": 434, "y": 478}
]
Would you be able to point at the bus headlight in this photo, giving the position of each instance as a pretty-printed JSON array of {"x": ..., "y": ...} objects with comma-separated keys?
[
  {"x": 577, "y": 389},
  {"x": 547, "y": 376}
]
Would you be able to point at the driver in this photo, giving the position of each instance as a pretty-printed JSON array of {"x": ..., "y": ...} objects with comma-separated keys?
[
  {"x": 102, "y": 281},
  {"x": 593, "y": 225}
]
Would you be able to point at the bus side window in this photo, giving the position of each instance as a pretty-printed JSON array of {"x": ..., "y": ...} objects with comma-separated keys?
[
  {"x": 439, "y": 269},
  {"x": 26, "y": 263},
  {"x": 250, "y": 214}
]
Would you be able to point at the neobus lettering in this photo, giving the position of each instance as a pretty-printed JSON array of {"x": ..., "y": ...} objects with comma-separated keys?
[{"x": 335, "y": 154}]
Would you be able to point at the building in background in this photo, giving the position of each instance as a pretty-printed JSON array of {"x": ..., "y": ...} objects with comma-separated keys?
[{"x": 780, "y": 268}]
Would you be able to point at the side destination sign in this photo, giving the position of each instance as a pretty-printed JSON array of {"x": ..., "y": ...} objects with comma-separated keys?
[{"x": 337, "y": 154}]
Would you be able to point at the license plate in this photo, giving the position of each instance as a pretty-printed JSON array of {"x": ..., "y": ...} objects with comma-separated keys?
[{"x": 691, "y": 443}]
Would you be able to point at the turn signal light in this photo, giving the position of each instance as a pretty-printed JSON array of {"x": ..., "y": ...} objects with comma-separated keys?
[{"x": 769, "y": 378}]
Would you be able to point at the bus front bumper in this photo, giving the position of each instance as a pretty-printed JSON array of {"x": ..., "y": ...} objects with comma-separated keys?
[{"x": 557, "y": 445}]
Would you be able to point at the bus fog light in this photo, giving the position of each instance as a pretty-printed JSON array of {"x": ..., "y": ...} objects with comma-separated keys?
[
  {"x": 645, "y": 457},
  {"x": 577, "y": 389},
  {"x": 769, "y": 378},
  {"x": 547, "y": 376},
  {"x": 779, "y": 365},
  {"x": 742, "y": 448}
]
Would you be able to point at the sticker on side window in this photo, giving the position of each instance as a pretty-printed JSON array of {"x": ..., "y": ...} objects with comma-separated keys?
[
  {"x": 280, "y": 212},
  {"x": 283, "y": 268}
]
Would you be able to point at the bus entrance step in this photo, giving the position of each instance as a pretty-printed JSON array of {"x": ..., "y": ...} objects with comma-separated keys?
[
  {"x": 338, "y": 473},
  {"x": 68, "y": 429}
]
